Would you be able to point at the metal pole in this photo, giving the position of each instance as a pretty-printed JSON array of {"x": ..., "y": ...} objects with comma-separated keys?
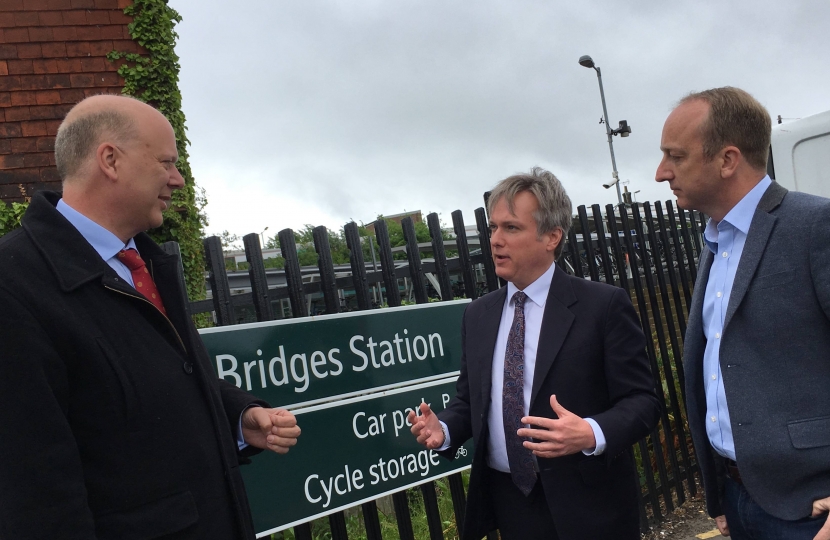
[{"x": 610, "y": 137}]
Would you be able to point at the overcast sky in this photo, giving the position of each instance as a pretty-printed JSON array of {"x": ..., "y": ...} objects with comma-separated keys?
[{"x": 320, "y": 112}]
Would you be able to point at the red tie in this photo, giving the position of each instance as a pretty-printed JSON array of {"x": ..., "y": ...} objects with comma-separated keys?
[{"x": 141, "y": 277}]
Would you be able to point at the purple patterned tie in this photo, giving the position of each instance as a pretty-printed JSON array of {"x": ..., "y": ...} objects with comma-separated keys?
[{"x": 519, "y": 457}]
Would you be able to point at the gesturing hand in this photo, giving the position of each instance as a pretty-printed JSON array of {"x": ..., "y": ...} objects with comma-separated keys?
[
  {"x": 567, "y": 435},
  {"x": 270, "y": 429},
  {"x": 426, "y": 428},
  {"x": 822, "y": 506}
]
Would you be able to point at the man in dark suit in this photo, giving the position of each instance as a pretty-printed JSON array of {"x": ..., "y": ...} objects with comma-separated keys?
[
  {"x": 114, "y": 425},
  {"x": 758, "y": 340},
  {"x": 554, "y": 389}
]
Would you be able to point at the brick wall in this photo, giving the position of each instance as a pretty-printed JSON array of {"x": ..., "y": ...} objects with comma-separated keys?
[{"x": 52, "y": 55}]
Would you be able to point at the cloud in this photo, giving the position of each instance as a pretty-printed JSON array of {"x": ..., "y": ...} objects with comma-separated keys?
[{"x": 320, "y": 112}]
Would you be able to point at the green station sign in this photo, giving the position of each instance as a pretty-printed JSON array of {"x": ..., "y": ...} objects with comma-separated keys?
[
  {"x": 350, "y": 451},
  {"x": 299, "y": 362}
]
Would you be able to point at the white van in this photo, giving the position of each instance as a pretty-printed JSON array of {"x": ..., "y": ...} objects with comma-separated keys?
[{"x": 800, "y": 154}]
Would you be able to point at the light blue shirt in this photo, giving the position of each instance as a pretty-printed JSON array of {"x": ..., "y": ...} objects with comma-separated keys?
[
  {"x": 102, "y": 240},
  {"x": 534, "y": 309},
  {"x": 108, "y": 245},
  {"x": 726, "y": 241}
]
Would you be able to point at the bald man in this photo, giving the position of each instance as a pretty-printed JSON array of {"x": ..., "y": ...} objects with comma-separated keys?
[
  {"x": 113, "y": 423},
  {"x": 757, "y": 343}
]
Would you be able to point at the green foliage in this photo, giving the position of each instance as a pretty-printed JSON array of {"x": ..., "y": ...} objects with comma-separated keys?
[
  {"x": 274, "y": 262},
  {"x": 230, "y": 241},
  {"x": 154, "y": 79},
  {"x": 396, "y": 237},
  {"x": 356, "y": 529},
  {"x": 307, "y": 255},
  {"x": 10, "y": 216}
]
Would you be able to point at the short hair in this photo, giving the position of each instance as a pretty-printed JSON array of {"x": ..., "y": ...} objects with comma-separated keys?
[
  {"x": 77, "y": 138},
  {"x": 735, "y": 118},
  {"x": 555, "y": 210}
]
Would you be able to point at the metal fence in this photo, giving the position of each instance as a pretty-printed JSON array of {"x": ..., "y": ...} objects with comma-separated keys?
[{"x": 652, "y": 255}]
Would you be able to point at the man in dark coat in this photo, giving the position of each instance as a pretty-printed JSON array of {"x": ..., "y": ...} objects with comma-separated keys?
[
  {"x": 554, "y": 389},
  {"x": 758, "y": 340},
  {"x": 114, "y": 425}
]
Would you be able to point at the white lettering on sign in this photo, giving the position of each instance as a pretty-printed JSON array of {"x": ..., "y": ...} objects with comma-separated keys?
[
  {"x": 228, "y": 372},
  {"x": 419, "y": 463},
  {"x": 422, "y": 347},
  {"x": 339, "y": 484},
  {"x": 399, "y": 419},
  {"x": 302, "y": 368},
  {"x": 324, "y": 490},
  {"x": 374, "y": 425}
]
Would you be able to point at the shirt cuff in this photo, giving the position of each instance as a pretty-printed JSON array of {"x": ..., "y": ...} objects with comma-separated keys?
[
  {"x": 599, "y": 437},
  {"x": 240, "y": 440},
  {"x": 446, "y": 444}
]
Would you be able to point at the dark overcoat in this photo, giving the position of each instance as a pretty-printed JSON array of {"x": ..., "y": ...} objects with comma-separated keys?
[
  {"x": 114, "y": 425},
  {"x": 592, "y": 355}
]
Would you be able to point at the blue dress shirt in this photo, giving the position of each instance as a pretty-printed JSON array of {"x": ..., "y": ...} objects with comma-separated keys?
[
  {"x": 725, "y": 239},
  {"x": 102, "y": 240}
]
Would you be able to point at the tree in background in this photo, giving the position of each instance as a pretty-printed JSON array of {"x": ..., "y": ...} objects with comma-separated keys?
[{"x": 307, "y": 255}]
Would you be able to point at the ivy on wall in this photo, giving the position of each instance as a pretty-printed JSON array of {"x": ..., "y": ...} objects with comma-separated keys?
[
  {"x": 10, "y": 216},
  {"x": 12, "y": 213},
  {"x": 153, "y": 78}
]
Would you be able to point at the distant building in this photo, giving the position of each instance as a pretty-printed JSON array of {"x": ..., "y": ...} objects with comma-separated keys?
[{"x": 416, "y": 216}]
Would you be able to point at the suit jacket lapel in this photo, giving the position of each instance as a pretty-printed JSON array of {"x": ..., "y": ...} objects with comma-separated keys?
[
  {"x": 694, "y": 342},
  {"x": 694, "y": 330},
  {"x": 556, "y": 323},
  {"x": 486, "y": 334},
  {"x": 756, "y": 242}
]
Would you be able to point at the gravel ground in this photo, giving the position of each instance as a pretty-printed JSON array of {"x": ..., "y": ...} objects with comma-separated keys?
[{"x": 687, "y": 522}]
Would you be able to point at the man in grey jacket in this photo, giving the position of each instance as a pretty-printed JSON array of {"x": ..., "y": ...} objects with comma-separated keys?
[{"x": 757, "y": 346}]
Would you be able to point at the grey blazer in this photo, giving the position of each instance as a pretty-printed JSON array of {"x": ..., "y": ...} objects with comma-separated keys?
[{"x": 775, "y": 359}]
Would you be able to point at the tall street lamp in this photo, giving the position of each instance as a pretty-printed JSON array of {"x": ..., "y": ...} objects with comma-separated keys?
[
  {"x": 624, "y": 130},
  {"x": 261, "y": 237}
]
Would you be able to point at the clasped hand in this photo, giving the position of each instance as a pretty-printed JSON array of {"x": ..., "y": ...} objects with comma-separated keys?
[{"x": 270, "y": 429}]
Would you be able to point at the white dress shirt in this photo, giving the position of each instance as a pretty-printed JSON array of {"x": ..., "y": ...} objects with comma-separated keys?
[{"x": 534, "y": 309}]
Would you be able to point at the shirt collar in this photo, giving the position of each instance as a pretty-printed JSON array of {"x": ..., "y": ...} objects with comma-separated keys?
[
  {"x": 740, "y": 217},
  {"x": 537, "y": 291},
  {"x": 103, "y": 241}
]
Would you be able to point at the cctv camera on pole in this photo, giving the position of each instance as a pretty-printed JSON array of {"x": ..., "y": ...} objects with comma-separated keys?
[{"x": 624, "y": 130}]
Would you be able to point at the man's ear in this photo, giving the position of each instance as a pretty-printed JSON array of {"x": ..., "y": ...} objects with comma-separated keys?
[
  {"x": 554, "y": 238},
  {"x": 731, "y": 157},
  {"x": 106, "y": 158}
]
